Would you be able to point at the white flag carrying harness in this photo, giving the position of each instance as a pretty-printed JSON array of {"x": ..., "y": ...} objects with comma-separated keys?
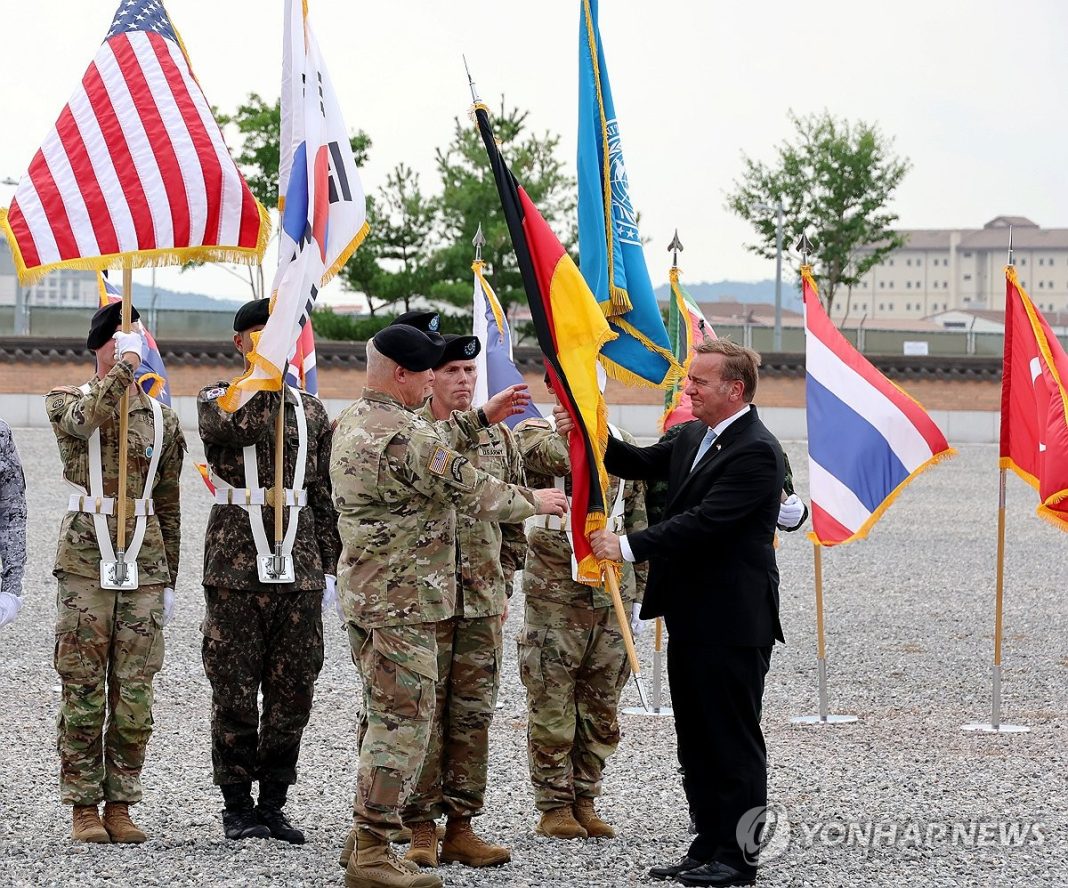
[
  {"x": 96, "y": 504},
  {"x": 552, "y": 522},
  {"x": 252, "y": 498}
]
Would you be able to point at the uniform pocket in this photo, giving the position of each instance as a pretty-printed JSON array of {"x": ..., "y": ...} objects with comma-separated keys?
[
  {"x": 530, "y": 643},
  {"x": 400, "y": 668},
  {"x": 70, "y": 658},
  {"x": 154, "y": 658}
]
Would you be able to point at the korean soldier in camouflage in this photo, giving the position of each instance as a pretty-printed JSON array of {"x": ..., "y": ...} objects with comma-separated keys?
[
  {"x": 572, "y": 659},
  {"x": 397, "y": 488},
  {"x": 12, "y": 527},
  {"x": 263, "y": 637},
  {"x": 470, "y": 642},
  {"x": 109, "y": 643}
]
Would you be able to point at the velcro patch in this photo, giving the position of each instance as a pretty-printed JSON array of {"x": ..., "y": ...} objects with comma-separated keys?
[{"x": 440, "y": 460}]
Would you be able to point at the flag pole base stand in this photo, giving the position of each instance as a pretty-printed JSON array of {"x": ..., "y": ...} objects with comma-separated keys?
[
  {"x": 652, "y": 710},
  {"x": 979, "y": 728},
  {"x": 823, "y": 719}
]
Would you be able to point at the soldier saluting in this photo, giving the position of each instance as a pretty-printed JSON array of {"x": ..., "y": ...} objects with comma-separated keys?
[
  {"x": 263, "y": 628},
  {"x": 109, "y": 625}
]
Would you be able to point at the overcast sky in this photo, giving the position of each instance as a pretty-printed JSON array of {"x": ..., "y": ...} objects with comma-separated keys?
[{"x": 972, "y": 93}]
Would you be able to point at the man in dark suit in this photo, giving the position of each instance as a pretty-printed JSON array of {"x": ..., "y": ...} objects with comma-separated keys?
[{"x": 714, "y": 579}]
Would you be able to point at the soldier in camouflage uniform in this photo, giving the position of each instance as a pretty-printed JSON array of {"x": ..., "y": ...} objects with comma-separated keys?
[
  {"x": 260, "y": 636},
  {"x": 12, "y": 527},
  {"x": 470, "y": 641},
  {"x": 572, "y": 659},
  {"x": 109, "y": 643},
  {"x": 397, "y": 487}
]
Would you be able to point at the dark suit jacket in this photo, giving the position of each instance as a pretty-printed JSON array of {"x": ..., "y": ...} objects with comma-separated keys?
[{"x": 712, "y": 571}]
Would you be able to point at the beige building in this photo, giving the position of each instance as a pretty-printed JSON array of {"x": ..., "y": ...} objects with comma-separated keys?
[
  {"x": 64, "y": 288},
  {"x": 938, "y": 270}
]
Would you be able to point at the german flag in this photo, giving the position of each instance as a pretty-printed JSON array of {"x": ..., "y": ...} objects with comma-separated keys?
[{"x": 571, "y": 329}]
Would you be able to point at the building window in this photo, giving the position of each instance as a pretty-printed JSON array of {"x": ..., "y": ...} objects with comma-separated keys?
[
  {"x": 908, "y": 262},
  {"x": 882, "y": 307},
  {"x": 919, "y": 262},
  {"x": 967, "y": 277},
  {"x": 919, "y": 285},
  {"x": 864, "y": 306},
  {"x": 1023, "y": 261},
  {"x": 881, "y": 285},
  {"x": 891, "y": 306},
  {"x": 891, "y": 262},
  {"x": 967, "y": 255},
  {"x": 908, "y": 286},
  {"x": 908, "y": 306}
]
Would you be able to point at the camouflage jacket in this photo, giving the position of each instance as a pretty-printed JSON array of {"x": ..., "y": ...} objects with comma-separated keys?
[
  {"x": 397, "y": 489},
  {"x": 229, "y": 549},
  {"x": 12, "y": 513},
  {"x": 547, "y": 571},
  {"x": 75, "y": 416},
  {"x": 490, "y": 552}
]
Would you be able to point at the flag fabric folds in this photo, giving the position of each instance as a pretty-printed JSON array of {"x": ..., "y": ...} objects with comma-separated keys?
[
  {"x": 610, "y": 248},
  {"x": 496, "y": 366},
  {"x": 151, "y": 374},
  {"x": 571, "y": 330},
  {"x": 324, "y": 213},
  {"x": 686, "y": 329},
  {"x": 1034, "y": 403},
  {"x": 302, "y": 372},
  {"x": 867, "y": 439},
  {"x": 135, "y": 171}
]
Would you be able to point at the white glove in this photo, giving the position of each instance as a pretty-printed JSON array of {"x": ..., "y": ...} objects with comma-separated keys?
[
  {"x": 791, "y": 511},
  {"x": 637, "y": 625},
  {"x": 168, "y": 605},
  {"x": 129, "y": 342},
  {"x": 330, "y": 599},
  {"x": 10, "y": 605}
]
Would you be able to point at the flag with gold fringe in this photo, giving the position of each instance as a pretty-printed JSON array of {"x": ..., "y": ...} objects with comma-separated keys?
[
  {"x": 867, "y": 439},
  {"x": 610, "y": 248},
  {"x": 687, "y": 327},
  {"x": 324, "y": 211},
  {"x": 135, "y": 171},
  {"x": 1034, "y": 403},
  {"x": 571, "y": 329}
]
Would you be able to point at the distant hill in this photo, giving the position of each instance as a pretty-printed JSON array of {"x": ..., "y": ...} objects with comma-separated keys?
[
  {"x": 737, "y": 291},
  {"x": 170, "y": 299}
]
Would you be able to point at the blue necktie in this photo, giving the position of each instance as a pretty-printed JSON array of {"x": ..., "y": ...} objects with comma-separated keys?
[{"x": 706, "y": 442}]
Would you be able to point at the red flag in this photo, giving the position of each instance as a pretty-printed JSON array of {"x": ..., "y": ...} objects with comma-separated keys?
[{"x": 1034, "y": 403}]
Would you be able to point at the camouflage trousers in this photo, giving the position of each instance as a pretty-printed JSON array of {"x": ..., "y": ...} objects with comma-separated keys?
[
  {"x": 269, "y": 642},
  {"x": 574, "y": 666},
  {"x": 109, "y": 646},
  {"x": 398, "y": 665},
  {"x": 453, "y": 777}
]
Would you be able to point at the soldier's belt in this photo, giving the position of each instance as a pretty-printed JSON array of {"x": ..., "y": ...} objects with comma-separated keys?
[
  {"x": 258, "y": 496},
  {"x": 552, "y": 522},
  {"x": 105, "y": 505}
]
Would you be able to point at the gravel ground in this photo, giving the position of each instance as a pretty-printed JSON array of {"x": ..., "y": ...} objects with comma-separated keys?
[{"x": 909, "y": 634}]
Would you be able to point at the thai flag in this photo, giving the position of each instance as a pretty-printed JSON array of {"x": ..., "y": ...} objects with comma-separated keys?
[{"x": 867, "y": 439}]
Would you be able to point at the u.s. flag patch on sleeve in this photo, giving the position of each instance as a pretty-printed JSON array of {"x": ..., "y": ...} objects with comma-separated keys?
[{"x": 440, "y": 460}]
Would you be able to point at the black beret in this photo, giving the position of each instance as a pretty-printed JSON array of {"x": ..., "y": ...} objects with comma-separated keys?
[
  {"x": 459, "y": 348},
  {"x": 252, "y": 314},
  {"x": 410, "y": 347},
  {"x": 104, "y": 324},
  {"x": 427, "y": 321}
]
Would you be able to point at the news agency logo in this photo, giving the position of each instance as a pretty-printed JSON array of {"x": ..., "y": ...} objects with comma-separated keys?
[{"x": 766, "y": 833}]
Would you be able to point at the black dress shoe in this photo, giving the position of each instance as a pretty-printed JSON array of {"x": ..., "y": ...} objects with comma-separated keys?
[
  {"x": 715, "y": 873},
  {"x": 674, "y": 869}
]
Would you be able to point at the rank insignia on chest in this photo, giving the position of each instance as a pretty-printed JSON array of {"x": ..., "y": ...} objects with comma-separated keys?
[{"x": 440, "y": 460}]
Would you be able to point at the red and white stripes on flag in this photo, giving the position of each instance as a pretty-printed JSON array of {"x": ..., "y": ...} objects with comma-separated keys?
[{"x": 135, "y": 171}]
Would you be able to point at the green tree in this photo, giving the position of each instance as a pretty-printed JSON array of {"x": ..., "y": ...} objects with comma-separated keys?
[
  {"x": 260, "y": 126},
  {"x": 469, "y": 198},
  {"x": 835, "y": 179}
]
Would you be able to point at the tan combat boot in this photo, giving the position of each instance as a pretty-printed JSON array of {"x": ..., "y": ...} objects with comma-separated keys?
[
  {"x": 119, "y": 825},
  {"x": 462, "y": 845},
  {"x": 424, "y": 849},
  {"x": 587, "y": 817},
  {"x": 87, "y": 826},
  {"x": 373, "y": 865},
  {"x": 403, "y": 837},
  {"x": 560, "y": 823}
]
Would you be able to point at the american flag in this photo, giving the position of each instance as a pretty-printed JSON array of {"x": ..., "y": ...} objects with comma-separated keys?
[{"x": 135, "y": 166}]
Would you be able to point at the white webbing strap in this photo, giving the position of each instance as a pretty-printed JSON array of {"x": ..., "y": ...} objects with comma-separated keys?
[
  {"x": 99, "y": 506},
  {"x": 252, "y": 497}
]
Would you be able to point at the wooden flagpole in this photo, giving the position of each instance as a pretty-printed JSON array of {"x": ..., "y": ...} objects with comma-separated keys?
[
  {"x": 612, "y": 584},
  {"x": 124, "y": 431}
]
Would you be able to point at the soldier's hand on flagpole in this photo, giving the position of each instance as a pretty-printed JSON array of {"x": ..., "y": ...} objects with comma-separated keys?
[
  {"x": 507, "y": 402},
  {"x": 551, "y": 502},
  {"x": 564, "y": 424},
  {"x": 129, "y": 347},
  {"x": 605, "y": 545},
  {"x": 791, "y": 511}
]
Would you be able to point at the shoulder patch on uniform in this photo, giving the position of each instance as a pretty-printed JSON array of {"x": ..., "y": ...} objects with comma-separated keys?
[
  {"x": 440, "y": 460},
  {"x": 64, "y": 390},
  {"x": 535, "y": 424},
  {"x": 210, "y": 394}
]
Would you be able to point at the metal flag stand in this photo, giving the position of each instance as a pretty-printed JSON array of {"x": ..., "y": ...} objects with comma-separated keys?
[
  {"x": 823, "y": 718},
  {"x": 656, "y": 707},
  {"x": 995, "y": 725}
]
